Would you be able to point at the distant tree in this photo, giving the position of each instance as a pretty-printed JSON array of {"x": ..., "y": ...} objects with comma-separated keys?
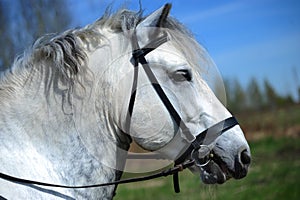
[
  {"x": 283, "y": 101},
  {"x": 271, "y": 95},
  {"x": 298, "y": 94},
  {"x": 236, "y": 97},
  {"x": 275, "y": 100},
  {"x": 22, "y": 22},
  {"x": 6, "y": 40},
  {"x": 255, "y": 97},
  {"x": 239, "y": 96},
  {"x": 295, "y": 73}
]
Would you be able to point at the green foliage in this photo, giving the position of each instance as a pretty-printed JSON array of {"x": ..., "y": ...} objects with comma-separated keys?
[
  {"x": 271, "y": 95},
  {"x": 254, "y": 97},
  {"x": 236, "y": 95}
]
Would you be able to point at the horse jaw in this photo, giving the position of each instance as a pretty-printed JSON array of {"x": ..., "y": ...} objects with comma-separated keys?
[{"x": 152, "y": 127}]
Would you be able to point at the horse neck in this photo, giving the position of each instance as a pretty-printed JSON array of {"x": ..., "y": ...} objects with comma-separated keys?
[{"x": 71, "y": 147}]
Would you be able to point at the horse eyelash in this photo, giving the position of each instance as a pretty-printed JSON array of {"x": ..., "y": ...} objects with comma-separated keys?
[{"x": 182, "y": 75}]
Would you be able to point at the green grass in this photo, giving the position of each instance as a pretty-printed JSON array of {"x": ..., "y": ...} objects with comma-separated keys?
[{"x": 274, "y": 174}]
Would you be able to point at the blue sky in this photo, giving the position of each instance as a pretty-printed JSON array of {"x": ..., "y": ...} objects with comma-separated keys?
[{"x": 247, "y": 38}]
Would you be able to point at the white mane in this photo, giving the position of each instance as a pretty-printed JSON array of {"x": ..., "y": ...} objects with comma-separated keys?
[{"x": 65, "y": 55}]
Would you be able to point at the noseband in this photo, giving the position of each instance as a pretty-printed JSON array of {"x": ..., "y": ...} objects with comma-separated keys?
[{"x": 198, "y": 149}]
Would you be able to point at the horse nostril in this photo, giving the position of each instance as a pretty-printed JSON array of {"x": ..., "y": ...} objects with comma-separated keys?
[
  {"x": 241, "y": 164},
  {"x": 245, "y": 157}
]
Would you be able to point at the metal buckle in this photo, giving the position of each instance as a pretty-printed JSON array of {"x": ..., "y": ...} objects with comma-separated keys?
[{"x": 202, "y": 155}]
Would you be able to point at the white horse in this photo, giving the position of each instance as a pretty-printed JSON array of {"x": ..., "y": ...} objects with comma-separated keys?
[{"x": 64, "y": 108}]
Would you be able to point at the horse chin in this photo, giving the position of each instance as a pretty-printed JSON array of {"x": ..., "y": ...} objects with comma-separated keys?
[
  {"x": 212, "y": 174},
  {"x": 215, "y": 172}
]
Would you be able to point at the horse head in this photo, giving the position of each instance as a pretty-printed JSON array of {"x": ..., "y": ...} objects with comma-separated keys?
[{"x": 176, "y": 67}]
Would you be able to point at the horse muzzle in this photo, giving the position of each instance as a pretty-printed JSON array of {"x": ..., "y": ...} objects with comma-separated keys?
[{"x": 214, "y": 168}]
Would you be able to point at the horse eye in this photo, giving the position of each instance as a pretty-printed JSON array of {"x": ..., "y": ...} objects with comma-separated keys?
[{"x": 182, "y": 75}]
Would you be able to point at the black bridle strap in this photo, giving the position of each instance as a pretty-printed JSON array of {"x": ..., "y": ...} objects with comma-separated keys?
[
  {"x": 163, "y": 173},
  {"x": 176, "y": 117},
  {"x": 138, "y": 56},
  {"x": 137, "y": 53},
  {"x": 204, "y": 138}
]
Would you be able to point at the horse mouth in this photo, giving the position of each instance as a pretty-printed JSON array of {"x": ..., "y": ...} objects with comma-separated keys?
[{"x": 215, "y": 171}]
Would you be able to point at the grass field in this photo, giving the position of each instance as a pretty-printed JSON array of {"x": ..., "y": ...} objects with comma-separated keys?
[{"x": 274, "y": 172}]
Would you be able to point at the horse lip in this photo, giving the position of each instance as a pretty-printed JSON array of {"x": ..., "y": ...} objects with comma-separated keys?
[
  {"x": 212, "y": 173},
  {"x": 228, "y": 173},
  {"x": 238, "y": 173}
]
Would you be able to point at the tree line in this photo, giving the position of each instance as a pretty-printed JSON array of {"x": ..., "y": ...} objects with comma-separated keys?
[
  {"x": 255, "y": 97},
  {"x": 22, "y": 22}
]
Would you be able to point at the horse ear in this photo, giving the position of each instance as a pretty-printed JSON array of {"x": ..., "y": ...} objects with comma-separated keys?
[{"x": 157, "y": 18}]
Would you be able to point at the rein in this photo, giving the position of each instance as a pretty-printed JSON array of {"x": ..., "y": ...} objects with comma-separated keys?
[
  {"x": 163, "y": 173},
  {"x": 196, "y": 143}
]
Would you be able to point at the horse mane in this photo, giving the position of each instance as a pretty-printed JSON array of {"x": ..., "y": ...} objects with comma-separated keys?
[{"x": 64, "y": 55}]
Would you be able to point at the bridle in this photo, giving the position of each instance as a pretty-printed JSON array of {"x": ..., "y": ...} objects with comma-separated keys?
[
  {"x": 191, "y": 156},
  {"x": 196, "y": 143}
]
